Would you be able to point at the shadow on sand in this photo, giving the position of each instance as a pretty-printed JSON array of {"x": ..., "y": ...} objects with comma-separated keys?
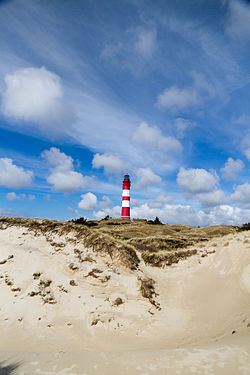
[{"x": 8, "y": 369}]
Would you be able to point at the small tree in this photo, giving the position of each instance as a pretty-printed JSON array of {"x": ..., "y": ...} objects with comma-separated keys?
[
  {"x": 80, "y": 220},
  {"x": 107, "y": 217},
  {"x": 157, "y": 220},
  {"x": 245, "y": 227}
]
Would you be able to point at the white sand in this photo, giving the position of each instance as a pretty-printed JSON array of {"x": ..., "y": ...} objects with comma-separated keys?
[{"x": 203, "y": 326}]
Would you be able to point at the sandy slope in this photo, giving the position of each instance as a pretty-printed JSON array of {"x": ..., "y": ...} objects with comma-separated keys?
[{"x": 66, "y": 309}]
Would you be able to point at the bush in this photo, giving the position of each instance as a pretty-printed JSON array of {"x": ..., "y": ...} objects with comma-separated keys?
[
  {"x": 245, "y": 227},
  {"x": 107, "y": 217},
  {"x": 80, "y": 220},
  {"x": 156, "y": 221},
  {"x": 83, "y": 221}
]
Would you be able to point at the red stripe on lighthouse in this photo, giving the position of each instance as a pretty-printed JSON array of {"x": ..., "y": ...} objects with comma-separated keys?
[{"x": 126, "y": 197}]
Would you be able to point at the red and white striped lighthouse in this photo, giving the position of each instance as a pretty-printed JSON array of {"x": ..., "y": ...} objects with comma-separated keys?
[{"x": 126, "y": 197}]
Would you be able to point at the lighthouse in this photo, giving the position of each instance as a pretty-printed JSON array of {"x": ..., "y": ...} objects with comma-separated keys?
[{"x": 126, "y": 198}]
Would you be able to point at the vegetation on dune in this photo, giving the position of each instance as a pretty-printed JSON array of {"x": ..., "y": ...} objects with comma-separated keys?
[
  {"x": 244, "y": 227},
  {"x": 158, "y": 245},
  {"x": 154, "y": 243},
  {"x": 162, "y": 259},
  {"x": 156, "y": 221},
  {"x": 83, "y": 221},
  {"x": 99, "y": 242},
  {"x": 147, "y": 290},
  {"x": 124, "y": 241}
]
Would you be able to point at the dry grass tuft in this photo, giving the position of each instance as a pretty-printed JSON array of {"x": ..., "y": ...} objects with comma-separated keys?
[
  {"x": 147, "y": 290},
  {"x": 162, "y": 259}
]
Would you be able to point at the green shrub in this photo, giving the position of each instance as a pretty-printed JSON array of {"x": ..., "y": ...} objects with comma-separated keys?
[
  {"x": 156, "y": 221},
  {"x": 244, "y": 227}
]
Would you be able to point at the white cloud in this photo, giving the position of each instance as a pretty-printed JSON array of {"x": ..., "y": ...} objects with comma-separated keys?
[
  {"x": 242, "y": 194},
  {"x": 114, "y": 212},
  {"x": 145, "y": 177},
  {"x": 13, "y": 196},
  {"x": 196, "y": 181},
  {"x": 245, "y": 146},
  {"x": 132, "y": 49},
  {"x": 112, "y": 164},
  {"x": 247, "y": 153},
  {"x": 242, "y": 120},
  {"x": 34, "y": 95},
  {"x": 231, "y": 169},
  {"x": 201, "y": 84},
  {"x": 105, "y": 202},
  {"x": 183, "y": 214},
  {"x": 146, "y": 42},
  {"x": 88, "y": 202},
  {"x": 67, "y": 181},
  {"x": 160, "y": 201},
  {"x": 212, "y": 198},
  {"x": 178, "y": 99},
  {"x": 152, "y": 137},
  {"x": 58, "y": 159},
  {"x": 182, "y": 125},
  {"x": 13, "y": 176},
  {"x": 238, "y": 25},
  {"x": 62, "y": 175},
  {"x": 157, "y": 151},
  {"x": 202, "y": 185}
]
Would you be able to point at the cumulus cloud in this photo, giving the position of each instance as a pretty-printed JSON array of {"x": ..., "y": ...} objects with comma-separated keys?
[
  {"x": 13, "y": 196},
  {"x": 34, "y": 95},
  {"x": 245, "y": 146},
  {"x": 183, "y": 214},
  {"x": 146, "y": 177},
  {"x": 238, "y": 25},
  {"x": 182, "y": 125},
  {"x": 114, "y": 212},
  {"x": 178, "y": 99},
  {"x": 157, "y": 151},
  {"x": 202, "y": 185},
  {"x": 232, "y": 168},
  {"x": 212, "y": 198},
  {"x": 13, "y": 176},
  {"x": 88, "y": 202},
  {"x": 160, "y": 201},
  {"x": 152, "y": 137},
  {"x": 112, "y": 164},
  {"x": 175, "y": 99},
  {"x": 105, "y": 202},
  {"x": 62, "y": 175},
  {"x": 242, "y": 194},
  {"x": 146, "y": 42},
  {"x": 196, "y": 181}
]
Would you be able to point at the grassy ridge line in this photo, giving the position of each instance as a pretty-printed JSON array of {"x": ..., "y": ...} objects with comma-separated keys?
[
  {"x": 159, "y": 245},
  {"x": 99, "y": 242}
]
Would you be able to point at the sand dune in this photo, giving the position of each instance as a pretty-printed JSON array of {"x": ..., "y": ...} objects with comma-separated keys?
[{"x": 67, "y": 308}]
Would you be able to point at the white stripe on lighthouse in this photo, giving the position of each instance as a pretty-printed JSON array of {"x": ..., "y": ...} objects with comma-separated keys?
[
  {"x": 126, "y": 193},
  {"x": 125, "y": 203}
]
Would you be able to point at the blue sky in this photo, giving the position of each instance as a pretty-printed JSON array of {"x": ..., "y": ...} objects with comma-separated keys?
[{"x": 91, "y": 90}]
